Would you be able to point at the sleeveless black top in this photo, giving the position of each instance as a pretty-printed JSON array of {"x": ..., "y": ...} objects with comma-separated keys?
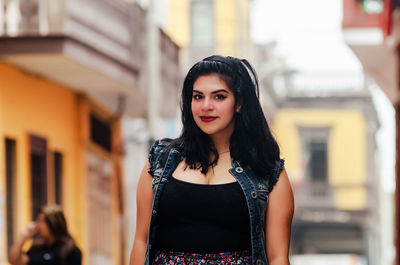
[
  {"x": 200, "y": 218},
  {"x": 51, "y": 255}
]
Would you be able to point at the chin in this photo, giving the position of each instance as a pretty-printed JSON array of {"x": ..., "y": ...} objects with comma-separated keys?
[{"x": 208, "y": 131}]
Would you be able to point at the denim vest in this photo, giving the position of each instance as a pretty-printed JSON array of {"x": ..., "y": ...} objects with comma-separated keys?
[{"x": 255, "y": 189}]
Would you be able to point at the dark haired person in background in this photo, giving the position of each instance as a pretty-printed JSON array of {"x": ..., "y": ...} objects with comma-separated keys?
[
  {"x": 219, "y": 193},
  {"x": 53, "y": 245}
]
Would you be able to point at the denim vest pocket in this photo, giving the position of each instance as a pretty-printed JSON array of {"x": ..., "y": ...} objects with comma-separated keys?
[
  {"x": 262, "y": 191},
  {"x": 156, "y": 177},
  {"x": 262, "y": 194}
]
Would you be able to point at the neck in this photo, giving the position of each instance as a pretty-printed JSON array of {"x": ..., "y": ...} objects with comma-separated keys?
[{"x": 221, "y": 143}]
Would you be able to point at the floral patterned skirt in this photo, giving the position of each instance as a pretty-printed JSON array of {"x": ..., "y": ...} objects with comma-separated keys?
[{"x": 182, "y": 258}]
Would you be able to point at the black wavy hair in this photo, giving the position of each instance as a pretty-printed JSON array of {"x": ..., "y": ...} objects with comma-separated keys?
[{"x": 251, "y": 143}]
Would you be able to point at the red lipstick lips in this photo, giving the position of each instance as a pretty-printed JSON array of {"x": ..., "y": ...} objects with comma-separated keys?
[{"x": 207, "y": 118}]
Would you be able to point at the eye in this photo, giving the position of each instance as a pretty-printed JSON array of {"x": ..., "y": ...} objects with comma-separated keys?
[
  {"x": 197, "y": 96},
  {"x": 220, "y": 97}
]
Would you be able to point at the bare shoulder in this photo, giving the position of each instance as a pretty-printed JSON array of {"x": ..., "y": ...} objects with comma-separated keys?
[
  {"x": 144, "y": 184},
  {"x": 282, "y": 195}
]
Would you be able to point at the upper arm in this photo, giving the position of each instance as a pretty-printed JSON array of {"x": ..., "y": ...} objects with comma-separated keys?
[
  {"x": 144, "y": 201},
  {"x": 279, "y": 220}
]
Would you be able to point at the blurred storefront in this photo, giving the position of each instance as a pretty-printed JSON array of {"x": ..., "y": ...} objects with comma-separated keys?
[
  {"x": 371, "y": 28},
  {"x": 70, "y": 72}
]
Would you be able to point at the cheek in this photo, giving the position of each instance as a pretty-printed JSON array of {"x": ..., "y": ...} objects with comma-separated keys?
[
  {"x": 44, "y": 227},
  {"x": 195, "y": 107},
  {"x": 228, "y": 109}
]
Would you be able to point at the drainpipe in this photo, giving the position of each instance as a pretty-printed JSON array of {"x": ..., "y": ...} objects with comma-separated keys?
[
  {"x": 397, "y": 191},
  {"x": 153, "y": 71},
  {"x": 2, "y": 17}
]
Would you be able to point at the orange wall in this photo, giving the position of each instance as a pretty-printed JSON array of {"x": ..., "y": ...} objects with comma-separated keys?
[{"x": 31, "y": 105}]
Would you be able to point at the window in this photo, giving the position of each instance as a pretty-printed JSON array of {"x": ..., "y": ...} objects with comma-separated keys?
[
  {"x": 202, "y": 28},
  {"x": 318, "y": 161},
  {"x": 10, "y": 188},
  {"x": 315, "y": 152},
  {"x": 38, "y": 159},
  {"x": 58, "y": 170},
  {"x": 100, "y": 132},
  {"x": 372, "y": 6}
]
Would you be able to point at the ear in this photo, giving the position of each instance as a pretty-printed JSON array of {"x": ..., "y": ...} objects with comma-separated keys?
[{"x": 238, "y": 106}]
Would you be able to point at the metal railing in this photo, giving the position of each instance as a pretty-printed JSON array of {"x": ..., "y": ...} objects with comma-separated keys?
[
  {"x": 31, "y": 17},
  {"x": 315, "y": 195}
]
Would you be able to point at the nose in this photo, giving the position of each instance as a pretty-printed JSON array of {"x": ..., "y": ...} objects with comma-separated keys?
[{"x": 207, "y": 104}]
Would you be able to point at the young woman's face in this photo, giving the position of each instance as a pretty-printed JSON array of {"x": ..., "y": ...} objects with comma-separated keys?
[
  {"x": 213, "y": 106},
  {"x": 43, "y": 229}
]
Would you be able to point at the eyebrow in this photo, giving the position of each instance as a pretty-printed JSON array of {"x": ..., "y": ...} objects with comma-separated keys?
[{"x": 214, "y": 92}]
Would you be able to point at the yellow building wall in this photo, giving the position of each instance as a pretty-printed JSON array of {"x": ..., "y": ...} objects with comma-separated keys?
[
  {"x": 231, "y": 25},
  {"x": 225, "y": 27},
  {"x": 30, "y": 105},
  {"x": 178, "y": 25},
  {"x": 346, "y": 155}
]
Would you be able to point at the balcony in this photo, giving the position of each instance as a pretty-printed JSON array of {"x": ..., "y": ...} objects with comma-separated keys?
[
  {"x": 87, "y": 45},
  {"x": 315, "y": 195},
  {"x": 315, "y": 204},
  {"x": 96, "y": 47}
]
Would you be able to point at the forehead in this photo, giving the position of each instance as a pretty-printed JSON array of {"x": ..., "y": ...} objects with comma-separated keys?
[{"x": 210, "y": 82}]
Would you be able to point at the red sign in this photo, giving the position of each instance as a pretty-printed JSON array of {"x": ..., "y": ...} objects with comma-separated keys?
[{"x": 355, "y": 16}]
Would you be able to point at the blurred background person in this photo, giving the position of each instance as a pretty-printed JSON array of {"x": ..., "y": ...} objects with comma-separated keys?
[{"x": 52, "y": 243}]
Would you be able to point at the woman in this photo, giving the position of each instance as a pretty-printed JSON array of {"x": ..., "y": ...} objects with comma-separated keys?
[
  {"x": 218, "y": 194},
  {"x": 52, "y": 245}
]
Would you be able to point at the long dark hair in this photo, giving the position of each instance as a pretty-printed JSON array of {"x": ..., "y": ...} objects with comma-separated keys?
[
  {"x": 57, "y": 224},
  {"x": 251, "y": 143}
]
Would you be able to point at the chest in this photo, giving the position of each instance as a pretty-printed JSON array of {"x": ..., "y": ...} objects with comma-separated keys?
[
  {"x": 218, "y": 174},
  {"x": 44, "y": 255},
  {"x": 206, "y": 203},
  {"x": 254, "y": 189}
]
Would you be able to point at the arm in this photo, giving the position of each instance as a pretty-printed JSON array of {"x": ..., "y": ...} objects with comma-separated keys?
[
  {"x": 144, "y": 200},
  {"x": 16, "y": 255},
  {"x": 279, "y": 220}
]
